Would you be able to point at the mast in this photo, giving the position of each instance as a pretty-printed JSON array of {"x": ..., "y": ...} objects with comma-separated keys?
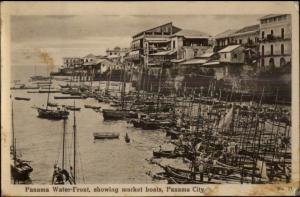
[
  {"x": 74, "y": 161},
  {"x": 48, "y": 93},
  {"x": 64, "y": 137}
]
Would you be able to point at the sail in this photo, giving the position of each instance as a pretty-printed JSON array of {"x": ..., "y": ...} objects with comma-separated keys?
[
  {"x": 262, "y": 169},
  {"x": 226, "y": 120}
]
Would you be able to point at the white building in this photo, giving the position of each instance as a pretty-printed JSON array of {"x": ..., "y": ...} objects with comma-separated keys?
[{"x": 275, "y": 40}]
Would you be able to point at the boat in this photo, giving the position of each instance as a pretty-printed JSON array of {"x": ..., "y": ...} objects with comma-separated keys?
[
  {"x": 39, "y": 78},
  {"x": 106, "y": 135},
  {"x": 113, "y": 114},
  {"x": 165, "y": 153},
  {"x": 72, "y": 108},
  {"x": 20, "y": 169},
  {"x": 52, "y": 104},
  {"x": 22, "y": 98},
  {"x": 62, "y": 175},
  {"x": 54, "y": 114},
  {"x": 69, "y": 97},
  {"x": 127, "y": 139},
  {"x": 92, "y": 107}
]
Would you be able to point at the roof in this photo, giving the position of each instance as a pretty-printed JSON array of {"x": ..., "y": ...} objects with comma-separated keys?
[
  {"x": 192, "y": 34},
  {"x": 226, "y": 33},
  {"x": 270, "y": 16},
  {"x": 177, "y": 61},
  {"x": 212, "y": 63},
  {"x": 113, "y": 56},
  {"x": 207, "y": 54},
  {"x": 229, "y": 48},
  {"x": 164, "y": 53},
  {"x": 248, "y": 28},
  {"x": 89, "y": 56},
  {"x": 94, "y": 62},
  {"x": 148, "y": 29},
  {"x": 194, "y": 61}
]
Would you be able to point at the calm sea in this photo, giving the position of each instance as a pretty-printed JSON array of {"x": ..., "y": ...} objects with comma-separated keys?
[{"x": 100, "y": 161}]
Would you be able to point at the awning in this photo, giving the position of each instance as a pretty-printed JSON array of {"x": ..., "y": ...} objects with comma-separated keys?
[
  {"x": 93, "y": 62},
  {"x": 177, "y": 61},
  {"x": 194, "y": 61},
  {"x": 157, "y": 40},
  {"x": 164, "y": 53},
  {"x": 214, "y": 63}
]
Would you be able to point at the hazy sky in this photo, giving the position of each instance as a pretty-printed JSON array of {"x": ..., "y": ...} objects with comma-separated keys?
[{"x": 33, "y": 36}]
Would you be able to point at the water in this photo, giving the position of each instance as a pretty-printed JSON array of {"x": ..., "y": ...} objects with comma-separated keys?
[{"x": 101, "y": 161}]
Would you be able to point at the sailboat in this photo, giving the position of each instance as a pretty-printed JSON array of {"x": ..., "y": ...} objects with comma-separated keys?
[
  {"x": 20, "y": 169},
  {"x": 52, "y": 113},
  {"x": 62, "y": 176},
  {"x": 121, "y": 113}
]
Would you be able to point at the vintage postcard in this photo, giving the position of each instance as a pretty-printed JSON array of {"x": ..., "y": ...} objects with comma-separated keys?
[{"x": 149, "y": 98}]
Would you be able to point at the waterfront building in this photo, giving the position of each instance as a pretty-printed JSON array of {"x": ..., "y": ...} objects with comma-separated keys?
[
  {"x": 233, "y": 54},
  {"x": 224, "y": 39},
  {"x": 275, "y": 40},
  {"x": 190, "y": 44},
  {"x": 150, "y": 41},
  {"x": 71, "y": 62}
]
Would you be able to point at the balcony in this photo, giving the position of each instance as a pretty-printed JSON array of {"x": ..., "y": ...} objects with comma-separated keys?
[{"x": 271, "y": 38}]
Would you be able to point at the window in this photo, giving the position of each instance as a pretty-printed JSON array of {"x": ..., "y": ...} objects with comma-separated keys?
[
  {"x": 271, "y": 50},
  {"x": 240, "y": 41},
  {"x": 225, "y": 55},
  {"x": 272, "y": 32},
  {"x": 282, "y": 33},
  {"x": 173, "y": 44},
  {"x": 262, "y": 50},
  {"x": 235, "y": 56},
  {"x": 262, "y": 34},
  {"x": 282, "y": 49}
]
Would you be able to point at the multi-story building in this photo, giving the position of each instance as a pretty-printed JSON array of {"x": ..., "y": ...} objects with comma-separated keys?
[
  {"x": 224, "y": 39},
  {"x": 275, "y": 40},
  {"x": 152, "y": 41},
  {"x": 71, "y": 62},
  {"x": 190, "y": 43},
  {"x": 117, "y": 52}
]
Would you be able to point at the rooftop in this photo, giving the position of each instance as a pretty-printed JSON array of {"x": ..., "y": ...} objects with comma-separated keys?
[
  {"x": 149, "y": 29},
  {"x": 270, "y": 16},
  {"x": 192, "y": 33},
  {"x": 226, "y": 33},
  {"x": 194, "y": 61},
  {"x": 248, "y": 28},
  {"x": 229, "y": 48}
]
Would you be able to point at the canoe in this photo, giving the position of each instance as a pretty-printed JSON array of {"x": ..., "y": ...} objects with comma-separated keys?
[{"x": 106, "y": 135}]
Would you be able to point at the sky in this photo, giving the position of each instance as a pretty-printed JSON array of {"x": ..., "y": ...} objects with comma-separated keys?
[{"x": 40, "y": 39}]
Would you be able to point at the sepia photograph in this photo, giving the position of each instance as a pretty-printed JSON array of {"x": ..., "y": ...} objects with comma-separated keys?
[{"x": 100, "y": 100}]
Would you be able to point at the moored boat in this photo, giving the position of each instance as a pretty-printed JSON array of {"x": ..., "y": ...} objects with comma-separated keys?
[
  {"x": 106, "y": 135},
  {"x": 22, "y": 98}
]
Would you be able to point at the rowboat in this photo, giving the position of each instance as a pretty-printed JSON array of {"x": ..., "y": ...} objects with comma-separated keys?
[
  {"x": 106, "y": 135},
  {"x": 22, "y": 98},
  {"x": 92, "y": 107},
  {"x": 72, "y": 108}
]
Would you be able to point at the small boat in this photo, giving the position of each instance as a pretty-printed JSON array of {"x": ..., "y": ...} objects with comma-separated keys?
[
  {"x": 52, "y": 104},
  {"x": 69, "y": 97},
  {"x": 22, "y": 98},
  {"x": 56, "y": 114},
  {"x": 165, "y": 153},
  {"x": 39, "y": 78},
  {"x": 127, "y": 139},
  {"x": 106, "y": 135},
  {"x": 72, "y": 108},
  {"x": 92, "y": 107}
]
